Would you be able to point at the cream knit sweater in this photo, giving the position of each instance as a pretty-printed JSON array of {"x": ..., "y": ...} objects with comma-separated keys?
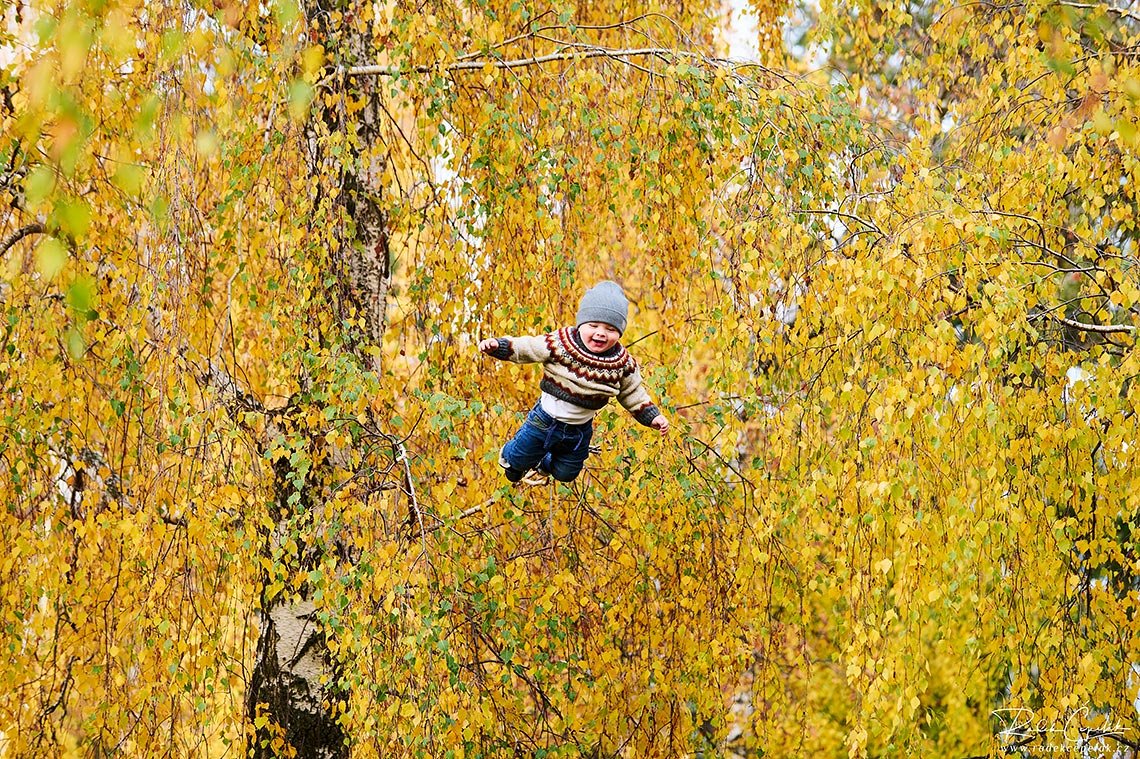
[{"x": 577, "y": 375}]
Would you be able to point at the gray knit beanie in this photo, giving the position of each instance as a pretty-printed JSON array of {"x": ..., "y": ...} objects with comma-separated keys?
[{"x": 604, "y": 302}]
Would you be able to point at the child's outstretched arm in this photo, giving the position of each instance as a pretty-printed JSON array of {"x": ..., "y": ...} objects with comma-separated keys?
[
  {"x": 635, "y": 399},
  {"x": 521, "y": 350}
]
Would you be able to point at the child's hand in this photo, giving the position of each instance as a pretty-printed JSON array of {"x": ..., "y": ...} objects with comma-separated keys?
[
  {"x": 490, "y": 345},
  {"x": 660, "y": 423}
]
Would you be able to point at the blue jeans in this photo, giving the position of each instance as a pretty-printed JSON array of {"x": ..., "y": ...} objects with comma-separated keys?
[{"x": 554, "y": 447}]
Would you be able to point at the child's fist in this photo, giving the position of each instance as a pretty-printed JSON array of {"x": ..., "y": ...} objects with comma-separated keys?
[
  {"x": 660, "y": 423},
  {"x": 490, "y": 345}
]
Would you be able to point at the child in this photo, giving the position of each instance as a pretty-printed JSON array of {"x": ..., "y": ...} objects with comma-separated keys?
[{"x": 583, "y": 367}]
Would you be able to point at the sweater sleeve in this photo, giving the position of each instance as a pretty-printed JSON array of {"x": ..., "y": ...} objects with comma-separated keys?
[
  {"x": 635, "y": 399},
  {"x": 523, "y": 350}
]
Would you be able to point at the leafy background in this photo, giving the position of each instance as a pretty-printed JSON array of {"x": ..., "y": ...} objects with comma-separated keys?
[{"x": 883, "y": 282}]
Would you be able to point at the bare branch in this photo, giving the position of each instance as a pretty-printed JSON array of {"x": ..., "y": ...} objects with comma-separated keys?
[
  {"x": 232, "y": 394},
  {"x": 1058, "y": 269},
  {"x": 462, "y": 515},
  {"x": 234, "y": 397},
  {"x": 1123, "y": 12},
  {"x": 580, "y": 53},
  {"x": 173, "y": 521},
  {"x": 20, "y": 234},
  {"x": 1103, "y": 329},
  {"x": 842, "y": 215},
  {"x": 410, "y": 490}
]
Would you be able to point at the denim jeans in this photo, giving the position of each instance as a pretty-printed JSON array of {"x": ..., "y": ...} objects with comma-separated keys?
[{"x": 543, "y": 442}]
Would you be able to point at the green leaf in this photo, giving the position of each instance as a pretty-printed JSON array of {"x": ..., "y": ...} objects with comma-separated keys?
[
  {"x": 287, "y": 12},
  {"x": 80, "y": 296},
  {"x": 206, "y": 141},
  {"x": 300, "y": 96},
  {"x": 73, "y": 217},
  {"x": 75, "y": 344},
  {"x": 128, "y": 177},
  {"x": 39, "y": 185},
  {"x": 51, "y": 256}
]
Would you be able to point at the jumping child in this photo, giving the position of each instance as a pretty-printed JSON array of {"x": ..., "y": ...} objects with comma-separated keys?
[{"x": 583, "y": 367}]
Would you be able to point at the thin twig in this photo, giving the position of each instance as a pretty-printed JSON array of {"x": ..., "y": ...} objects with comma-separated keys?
[
  {"x": 410, "y": 489},
  {"x": 826, "y": 212},
  {"x": 728, "y": 464},
  {"x": 1058, "y": 269},
  {"x": 408, "y": 142},
  {"x": 461, "y": 515}
]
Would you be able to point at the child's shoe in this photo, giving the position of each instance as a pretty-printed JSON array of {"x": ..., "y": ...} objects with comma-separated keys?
[
  {"x": 539, "y": 475},
  {"x": 513, "y": 475},
  {"x": 536, "y": 477}
]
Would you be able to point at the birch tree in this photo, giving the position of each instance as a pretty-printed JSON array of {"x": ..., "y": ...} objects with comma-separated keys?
[{"x": 248, "y": 446}]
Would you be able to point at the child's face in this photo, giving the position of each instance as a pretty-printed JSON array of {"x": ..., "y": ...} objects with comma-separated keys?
[{"x": 599, "y": 337}]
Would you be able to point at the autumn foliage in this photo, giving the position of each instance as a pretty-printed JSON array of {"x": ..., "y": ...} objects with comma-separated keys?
[{"x": 888, "y": 301}]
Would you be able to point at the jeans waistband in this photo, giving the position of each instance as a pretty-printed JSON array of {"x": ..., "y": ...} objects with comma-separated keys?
[{"x": 548, "y": 420}]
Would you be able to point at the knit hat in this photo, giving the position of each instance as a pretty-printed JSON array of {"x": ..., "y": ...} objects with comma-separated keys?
[{"x": 604, "y": 302}]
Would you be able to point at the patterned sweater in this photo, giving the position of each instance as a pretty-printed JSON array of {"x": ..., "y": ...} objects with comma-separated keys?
[{"x": 579, "y": 376}]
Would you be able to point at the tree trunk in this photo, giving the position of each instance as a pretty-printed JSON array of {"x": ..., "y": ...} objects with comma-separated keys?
[
  {"x": 286, "y": 688},
  {"x": 294, "y": 690}
]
